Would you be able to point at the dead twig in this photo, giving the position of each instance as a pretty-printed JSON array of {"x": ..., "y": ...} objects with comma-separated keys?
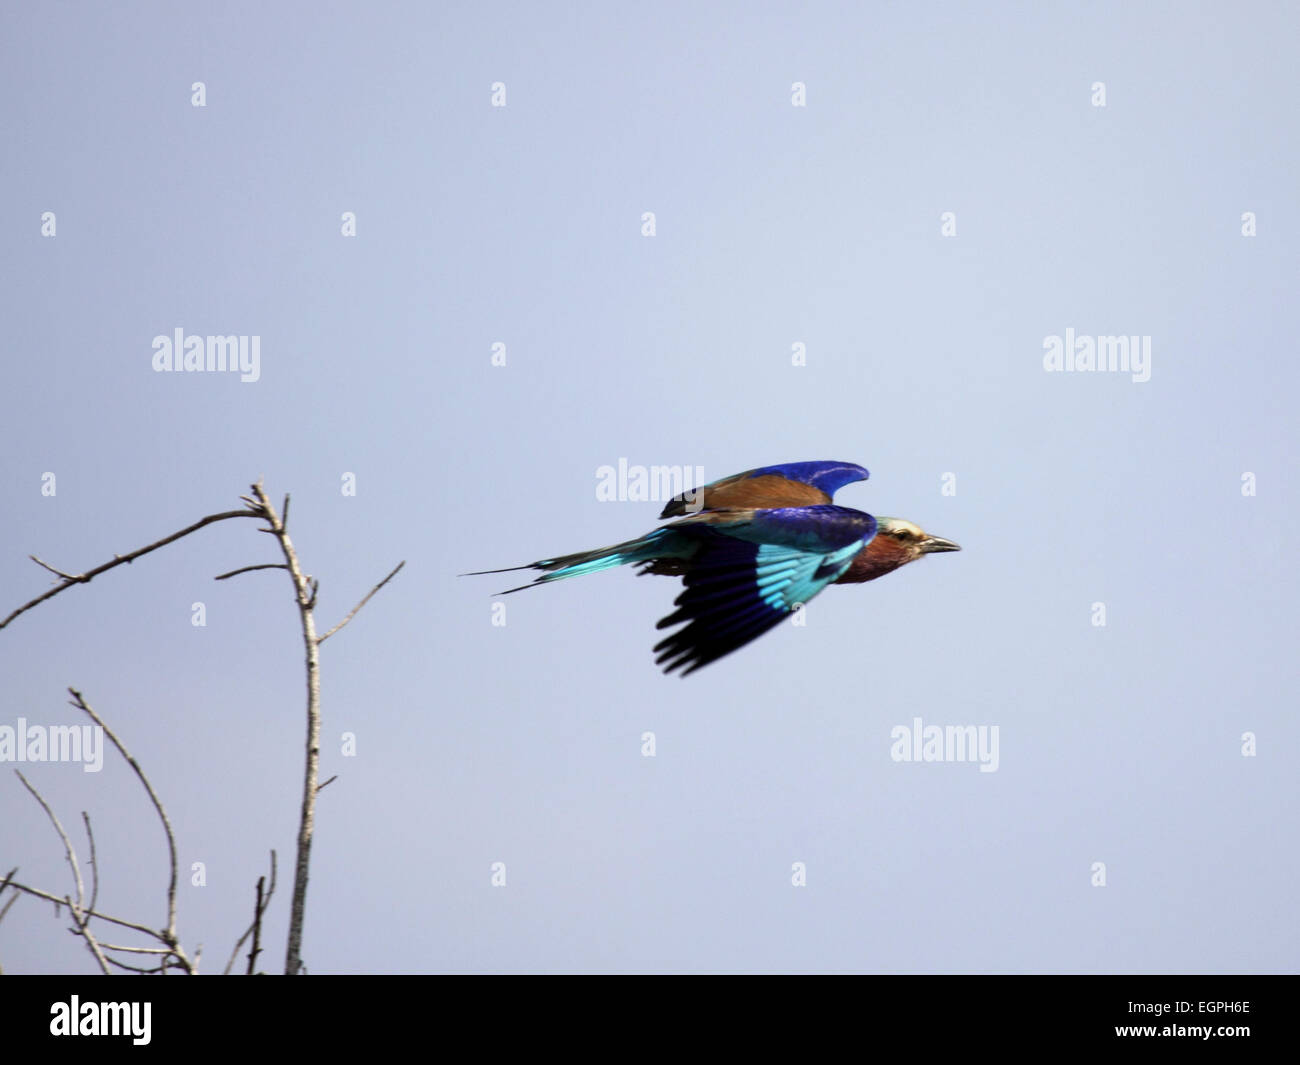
[
  {"x": 69, "y": 579},
  {"x": 94, "y": 865},
  {"x": 136, "y": 950},
  {"x": 264, "y": 901},
  {"x": 68, "y": 852},
  {"x": 249, "y": 569},
  {"x": 256, "y": 948},
  {"x": 170, "y": 933},
  {"x": 4, "y": 910},
  {"x": 56, "y": 572},
  {"x": 82, "y": 929},
  {"x": 58, "y": 903},
  {"x": 353, "y": 612}
]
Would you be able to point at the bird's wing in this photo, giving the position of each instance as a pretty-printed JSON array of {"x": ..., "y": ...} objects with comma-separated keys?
[
  {"x": 751, "y": 569},
  {"x": 791, "y": 484}
]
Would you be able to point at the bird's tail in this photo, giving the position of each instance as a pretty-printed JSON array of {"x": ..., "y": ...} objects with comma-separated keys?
[{"x": 663, "y": 543}]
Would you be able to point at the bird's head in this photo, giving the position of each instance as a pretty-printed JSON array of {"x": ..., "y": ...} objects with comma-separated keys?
[
  {"x": 911, "y": 538},
  {"x": 896, "y": 543}
]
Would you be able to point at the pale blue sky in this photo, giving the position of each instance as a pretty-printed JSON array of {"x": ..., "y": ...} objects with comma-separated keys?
[{"x": 775, "y": 225}]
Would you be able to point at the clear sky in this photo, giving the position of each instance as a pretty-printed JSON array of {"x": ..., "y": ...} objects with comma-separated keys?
[{"x": 775, "y": 225}]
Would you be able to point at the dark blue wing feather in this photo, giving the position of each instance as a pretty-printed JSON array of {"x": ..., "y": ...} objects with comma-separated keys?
[
  {"x": 828, "y": 476},
  {"x": 750, "y": 571}
]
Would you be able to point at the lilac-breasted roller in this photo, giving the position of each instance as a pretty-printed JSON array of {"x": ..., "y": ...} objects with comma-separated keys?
[{"x": 749, "y": 549}]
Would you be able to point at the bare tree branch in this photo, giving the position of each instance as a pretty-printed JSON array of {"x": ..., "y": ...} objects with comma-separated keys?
[
  {"x": 136, "y": 950},
  {"x": 249, "y": 569},
  {"x": 363, "y": 602},
  {"x": 82, "y": 929},
  {"x": 79, "y": 918},
  {"x": 4, "y": 910},
  {"x": 69, "y": 853},
  {"x": 256, "y": 948},
  {"x": 264, "y": 903},
  {"x": 82, "y": 914},
  {"x": 69, "y": 579},
  {"x": 12, "y": 898},
  {"x": 80, "y": 703},
  {"x": 94, "y": 865},
  {"x": 151, "y": 971},
  {"x": 305, "y": 595},
  {"x": 38, "y": 893},
  {"x": 56, "y": 572},
  {"x": 306, "y": 590}
]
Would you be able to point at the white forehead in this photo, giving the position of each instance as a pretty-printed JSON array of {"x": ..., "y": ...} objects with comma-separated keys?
[{"x": 894, "y": 525}]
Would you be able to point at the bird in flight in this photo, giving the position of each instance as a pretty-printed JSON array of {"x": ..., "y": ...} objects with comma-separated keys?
[{"x": 749, "y": 549}]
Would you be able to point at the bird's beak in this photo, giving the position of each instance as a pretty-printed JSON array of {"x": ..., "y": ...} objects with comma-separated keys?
[{"x": 932, "y": 544}]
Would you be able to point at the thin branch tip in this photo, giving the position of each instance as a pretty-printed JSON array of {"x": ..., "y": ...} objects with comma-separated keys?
[{"x": 353, "y": 613}]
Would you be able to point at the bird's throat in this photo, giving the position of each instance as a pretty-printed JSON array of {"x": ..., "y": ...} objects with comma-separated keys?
[{"x": 879, "y": 557}]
